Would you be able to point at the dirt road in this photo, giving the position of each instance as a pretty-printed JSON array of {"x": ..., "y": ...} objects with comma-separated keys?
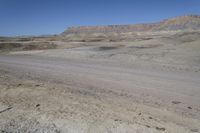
[{"x": 92, "y": 96}]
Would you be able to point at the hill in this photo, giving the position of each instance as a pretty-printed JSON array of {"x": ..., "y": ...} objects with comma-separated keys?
[{"x": 188, "y": 22}]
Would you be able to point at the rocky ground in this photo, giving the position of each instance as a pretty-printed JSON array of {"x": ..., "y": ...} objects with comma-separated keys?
[{"x": 146, "y": 85}]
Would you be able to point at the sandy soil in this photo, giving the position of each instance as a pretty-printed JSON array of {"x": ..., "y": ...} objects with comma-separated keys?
[
  {"x": 42, "y": 94},
  {"x": 147, "y": 85}
]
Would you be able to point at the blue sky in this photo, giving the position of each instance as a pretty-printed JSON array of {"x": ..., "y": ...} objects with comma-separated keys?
[{"x": 38, "y": 17}]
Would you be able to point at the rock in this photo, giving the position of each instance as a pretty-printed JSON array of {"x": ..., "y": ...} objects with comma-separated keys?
[
  {"x": 147, "y": 126},
  {"x": 176, "y": 102},
  {"x": 19, "y": 85},
  {"x": 38, "y": 105},
  {"x": 160, "y": 128},
  {"x": 194, "y": 130}
]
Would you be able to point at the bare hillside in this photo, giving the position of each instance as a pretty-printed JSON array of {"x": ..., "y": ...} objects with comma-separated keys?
[{"x": 178, "y": 23}]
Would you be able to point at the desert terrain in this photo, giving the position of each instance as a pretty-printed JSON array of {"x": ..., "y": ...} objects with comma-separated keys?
[{"x": 100, "y": 80}]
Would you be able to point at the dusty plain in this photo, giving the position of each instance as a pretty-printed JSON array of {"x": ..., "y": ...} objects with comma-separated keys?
[{"x": 138, "y": 83}]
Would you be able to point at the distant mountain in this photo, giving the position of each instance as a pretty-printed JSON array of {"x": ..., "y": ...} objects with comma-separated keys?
[{"x": 178, "y": 23}]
